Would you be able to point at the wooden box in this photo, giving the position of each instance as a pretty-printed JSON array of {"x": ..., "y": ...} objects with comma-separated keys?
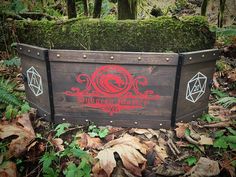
[{"x": 128, "y": 89}]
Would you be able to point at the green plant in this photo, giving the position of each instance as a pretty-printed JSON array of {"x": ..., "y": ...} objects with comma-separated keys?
[
  {"x": 209, "y": 118},
  {"x": 93, "y": 131},
  {"x": 61, "y": 128},
  {"x": 218, "y": 93},
  {"x": 13, "y": 62},
  {"x": 223, "y": 141},
  {"x": 227, "y": 101},
  {"x": 191, "y": 160}
]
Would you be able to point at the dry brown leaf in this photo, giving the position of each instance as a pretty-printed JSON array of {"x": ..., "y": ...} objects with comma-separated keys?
[
  {"x": 8, "y": 169},
  {"x": 85, "y": 141},
  {"x": 24, "y": 131},
  {"x": 140, "y": 131},
  {"x": 130, "y": 141},
  {"x": 161, "y": 152},
  {"x": 204, "y": 167},
  {"x": 205, "y": 140},
  {"x": 233, "y": 109},
  {"x": 127, "y": 147},
  {"x": 106, "y": 160},
  {"x": 58, "y": 143},
  {"x": 180, "y": 130}
]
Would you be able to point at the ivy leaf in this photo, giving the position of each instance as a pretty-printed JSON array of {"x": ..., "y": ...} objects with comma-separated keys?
[
  {"x": 103, "y": 133},
  {"x": 191, "y": 160},
  {"x": 92, "y": 134},
  {"x": 220, "y": 143},
  {"x": 187, "y": 132},
  {"x": 60, "y": 129},
  {"x": 85, "y": 167}
]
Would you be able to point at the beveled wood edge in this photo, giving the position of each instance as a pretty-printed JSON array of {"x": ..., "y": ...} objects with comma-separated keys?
[
  {"x": 58, "y": 118},
  {"x": 199, "y": 56},
  {"x": 32, "y": 51},
  {"x": 138, "y": 58},
  {"x": 40, "y": 111}
]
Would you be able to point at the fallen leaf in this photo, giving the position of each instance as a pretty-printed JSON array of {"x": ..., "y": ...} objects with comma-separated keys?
[
  {"x": 205, "y": 140},
  {"x": 167, "y": 170},
  {"x": 22, "y": 128},
  {"x": 204, "y": 167},
  {"x": 130, "y": 141},
  {"x": 85, "y": 141},
  {"x": 8, "y": 169},
  {"x": 161, "y": 152},
  {"x": 58, "y": 143},
  {"x": 180, "y": 130},
  {"x": 127, "y": 147},
  {"x": 139, "y": 131},
  {"x": 218, "y": 124}
]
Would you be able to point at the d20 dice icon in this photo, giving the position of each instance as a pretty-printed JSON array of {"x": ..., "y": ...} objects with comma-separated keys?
[
  {"x": 196, "y": 87},
  {"x": 34, "y": 81}
]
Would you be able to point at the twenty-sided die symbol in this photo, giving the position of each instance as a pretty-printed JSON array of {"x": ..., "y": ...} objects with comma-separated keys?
[
  {"x": 34, "y": 81},
  {"x": 196, "y": 87}
]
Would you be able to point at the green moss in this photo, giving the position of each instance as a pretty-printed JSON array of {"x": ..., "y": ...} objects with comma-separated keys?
[{"x": 154, "y": 35}]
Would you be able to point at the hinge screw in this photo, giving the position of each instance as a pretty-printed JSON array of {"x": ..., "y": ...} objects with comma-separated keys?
[
  {"x": 190, "y": 58},
  {"x": 58, "y": 55},
  {"x": 203, "y": 56},
  {"x": 20, "y": 48},
  {"x": 139, "y": 58},
  {"x": 111, "y": 121},
  {"x": 136, "y": 123},
  {"x": 38, "y": 53},
  {"x": 112, "y": 57},
  {"x": 84, "y": 56},
  {"x": 29, "y": 51},
  {"x": 167, "y": 59}
]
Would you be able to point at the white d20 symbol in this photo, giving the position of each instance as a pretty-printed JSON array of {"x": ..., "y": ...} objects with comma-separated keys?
[
  {"x": 34, "y": 81},
  {"x": 196, "y": 87}
]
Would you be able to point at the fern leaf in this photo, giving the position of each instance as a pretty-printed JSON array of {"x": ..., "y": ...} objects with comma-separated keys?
[{"x": 8, "y": 98}]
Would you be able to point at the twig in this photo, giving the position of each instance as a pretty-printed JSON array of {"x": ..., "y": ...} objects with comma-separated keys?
[
  {"x": 173, "y": 147},
  {"x": 189, "y": 139}
]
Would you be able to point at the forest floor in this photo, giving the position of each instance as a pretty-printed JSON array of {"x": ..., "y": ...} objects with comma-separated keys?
[{"x": 31, "y": 146}]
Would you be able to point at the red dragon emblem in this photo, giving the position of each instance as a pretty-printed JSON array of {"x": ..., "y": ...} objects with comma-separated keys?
[{"x": 112, "y": 88}]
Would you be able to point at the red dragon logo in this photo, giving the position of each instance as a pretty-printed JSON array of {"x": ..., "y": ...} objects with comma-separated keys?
[{"x": 112, "y": 88}]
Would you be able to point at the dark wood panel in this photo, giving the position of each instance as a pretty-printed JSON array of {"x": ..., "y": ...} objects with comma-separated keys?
[
  {"x": 160, "y": 79},
  {"x": 32, "y": 51},
  {"x": 200, "y": 56},
  {"x": 133, "y": 121},
  {"x": 185, "y": 106},
  {"x": 39, "y": 99},
  {"x": 138, "y": 58}
]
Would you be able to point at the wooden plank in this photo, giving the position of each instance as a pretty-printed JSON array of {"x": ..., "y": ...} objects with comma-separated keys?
[
  {"x": 34, "y": 69},
  {"x": 32, "y": 51},
  {"x": 102, "y": 106},
  {"x": 189, "y": 76},
  {"x": 138, "y": 58},
  {"x": 201, "y": 56}
]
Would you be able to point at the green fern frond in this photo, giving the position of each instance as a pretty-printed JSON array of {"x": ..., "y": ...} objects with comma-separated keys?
[
  {"x": 227, "y": 101},
  {"x": 8, "y": 98},
  {"x": 7, "y": 85}
]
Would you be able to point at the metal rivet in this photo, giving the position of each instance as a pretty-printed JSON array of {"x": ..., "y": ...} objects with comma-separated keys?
[
  {"x": 214, "y": 54},
  {"x": 84, "y": 56},
  {"x": 45, "y": 115},
  {"x": 193, "y": 116},
  {"x": 111, "y": 121},
  {"x": 58, "y": 55},
  {"x": 167, "y": 59},
  {"x": 181, "y": 121},
  {"x": 139, "y": 58},
  {"x": 160, "y": 124},
  {"x": 38, "y": 53},
  {"x": 136, "y": 123},
  {"x": 29, "y": 50},
  {"x": 203, "y": 56},
  {"x": 190, "y": 58},
  {"x": 20, "y": 48},
  {"x": 86, "y": 120},
  {"x": 63, "y": 119},
  {"x": 112, "y": 58}
]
